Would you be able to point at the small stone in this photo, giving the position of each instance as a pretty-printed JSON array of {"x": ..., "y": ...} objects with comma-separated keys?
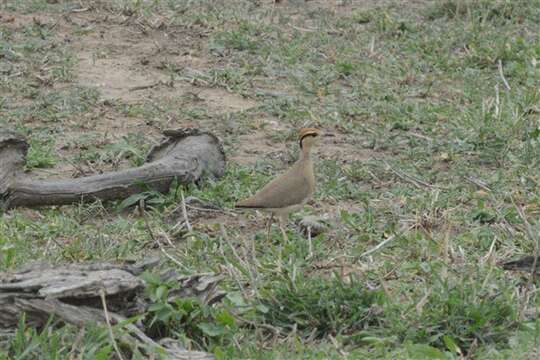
[{"x": 316, "y": 224}]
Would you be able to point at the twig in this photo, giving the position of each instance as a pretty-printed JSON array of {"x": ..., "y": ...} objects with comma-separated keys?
[
  {"x": 156, "y": 240},
  {"x": 497, "y": 102},
  {"x": 149, "y": 86},
  {"x": 384, "y": 242},
  {"x": 134, "y": 334},
  {"x": 275, "y": 331},
  {"x": 533, "y": 237},
  {"x": 221, "y": 211},
  {"x": 241, "y": 262},
  {"x": 491, "y": 248},
  {"x": 108, "y": 320},
  {"x": 232, "y": 272},
  {"x": 481, "y": 184},
  {"x": 310, "y": 243},
  {"x": 471, "y": 351},
  {"x": 423, "y": 301},
  {"x": 164, "y": 234},
  {"x": 420, "y": 136},
  {"x": 76, "y": 343},
  {"x": 506, "y": 85},
  {"x": 337, "y": 346},
  {"x": 413, "y": 180},
  {"x": 178, "y": 226},
  {"x": 252, "y": 269},
  {"x": 169, "y": 256},
  {"x": 302, "y": 29},
  {"x": 372, "y": 46},
  {"x": 226, "y": 238},
  {"x": 184, "y": 212},
  {"x": 486, "y": 279},
  {"x": 80, "y": 10},
  {"x": 192, "y": 75},
  {"x": 210, "y": 207}
]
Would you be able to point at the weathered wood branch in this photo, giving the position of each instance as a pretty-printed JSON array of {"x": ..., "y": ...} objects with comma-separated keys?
[
  {"x": 186, "y": 155},
  {"x": 13, "y": 149},
  {"x": 72, "y": 294},
  {"x": 525, "y": 263}
]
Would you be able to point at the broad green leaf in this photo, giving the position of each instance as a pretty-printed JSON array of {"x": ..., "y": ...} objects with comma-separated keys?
[
  {"x": 104, "y": 353},
  {"x": 161, "y": 292},
  {"x": 421, "y": 351},
  {"x": 451, "y": 344},
  {"x": 225, "y": 318},
  {"x": 212, "y": 330}
]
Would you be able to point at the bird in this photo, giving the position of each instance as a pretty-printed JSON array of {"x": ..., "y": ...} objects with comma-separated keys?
[{"x": 291, "y": 190}]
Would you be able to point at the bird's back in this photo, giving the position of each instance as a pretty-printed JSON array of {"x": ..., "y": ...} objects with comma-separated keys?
[{"x": 291, "y": 188}]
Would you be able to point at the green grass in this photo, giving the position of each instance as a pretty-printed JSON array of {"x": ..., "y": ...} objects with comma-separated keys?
[{"x": 420, "y": 114}]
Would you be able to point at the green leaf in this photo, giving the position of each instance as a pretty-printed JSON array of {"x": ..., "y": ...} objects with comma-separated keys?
[
  {"x": 156, "y": 307},
  {"x": 236, "y": 299},
  {"x": 128, "y": 321},
  {"x": 421, "y": 351},
  {"x": 219, "y": 353},
  {"x": 188, "y": 304},
  {"x": 132, "y": 200},
  {"x": 225, "y": 318},
  {"x": 451, "y": 344},
  {"x": 162, "y": 292},
  {"x": 212, "y": 330},
  {"x": 103, "y": 354},
  {"x": 164, "y": 314},
  {"x": 535, "y": 134},
  {"x": 262, "y": 308},
  {"x": 151, "y": 278},
  {"x": 373, "y": 340}
]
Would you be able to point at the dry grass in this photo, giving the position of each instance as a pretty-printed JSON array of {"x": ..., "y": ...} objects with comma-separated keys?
[{"x": 432, "y": 116}]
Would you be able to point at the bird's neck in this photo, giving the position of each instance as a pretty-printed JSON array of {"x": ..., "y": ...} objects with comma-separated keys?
[{"x": 305, "y": 153}]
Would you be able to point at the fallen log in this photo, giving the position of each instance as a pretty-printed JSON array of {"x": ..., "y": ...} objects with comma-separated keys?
[
  {"x": 529, "y": 263},
  {"x": 187, "y": 155},
  {"x": 75, "y": 294}
]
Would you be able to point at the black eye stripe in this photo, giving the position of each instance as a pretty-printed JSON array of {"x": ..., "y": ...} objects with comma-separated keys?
[{"x": 314, "y": 135}]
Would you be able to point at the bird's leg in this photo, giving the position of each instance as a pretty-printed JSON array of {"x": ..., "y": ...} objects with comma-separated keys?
[
  {"x": 282, "y": 223},
  {"x": 269, "y": 226}
]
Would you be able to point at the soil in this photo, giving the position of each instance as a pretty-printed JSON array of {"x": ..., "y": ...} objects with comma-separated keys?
[{"x": 129, "y": 62}]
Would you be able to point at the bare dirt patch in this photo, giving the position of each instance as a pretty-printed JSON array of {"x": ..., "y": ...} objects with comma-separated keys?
[
  {"x": 113, "y": 77},
  {"x": 344, "y": 150},
  {"x": 107, "y": 60},
  {"x": 17, "y": 21},
  {"x": 220, "y": 98},
  {"x": 131, "y": 65},
  {"x": 252, "y": 147}
]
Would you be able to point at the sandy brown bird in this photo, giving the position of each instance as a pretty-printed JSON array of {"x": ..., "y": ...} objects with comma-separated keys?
[{"x": 291, "y": 190}]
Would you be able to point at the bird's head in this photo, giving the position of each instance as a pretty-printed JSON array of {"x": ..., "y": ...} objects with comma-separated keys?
[{"x": 308, "y": 137}]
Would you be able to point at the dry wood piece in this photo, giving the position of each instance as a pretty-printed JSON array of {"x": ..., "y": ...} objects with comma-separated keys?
[
  {"x": 72, "y": 293},
  {"x": 13, "y": 149},
  {"x": 526, "y": 263},
  {"x": 186, "y": 155}
]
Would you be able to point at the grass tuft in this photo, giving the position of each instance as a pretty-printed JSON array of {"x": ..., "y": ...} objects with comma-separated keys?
[{"x": 319, "y": 307}]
